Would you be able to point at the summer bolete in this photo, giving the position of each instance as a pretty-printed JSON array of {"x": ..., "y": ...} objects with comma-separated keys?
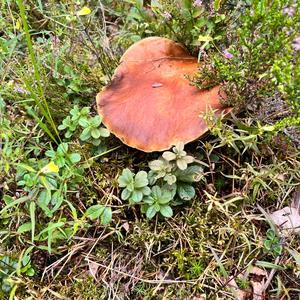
[{"x": 150, "y": 104}]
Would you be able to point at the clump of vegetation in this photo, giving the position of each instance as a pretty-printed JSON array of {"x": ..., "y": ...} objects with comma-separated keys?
[
  {"x": 170, "y": 179},
  {"x": 258, "y": 58},
  {"x": 92, "y": 132},
  {"x": 188, "y": 223}
]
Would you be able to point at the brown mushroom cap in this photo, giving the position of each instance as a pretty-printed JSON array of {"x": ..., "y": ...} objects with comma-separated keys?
[{"x": 150, "y": 104}]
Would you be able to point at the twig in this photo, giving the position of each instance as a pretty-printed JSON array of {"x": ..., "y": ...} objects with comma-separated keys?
[{"x": 258, "y": 295}]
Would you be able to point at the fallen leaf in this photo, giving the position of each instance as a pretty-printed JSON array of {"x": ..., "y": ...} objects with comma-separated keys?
[
  {"x": 50, "y": 168},
  {"x": 237, "y": 292},
  {"x": 18, "y": 25},
  {"x": 256, "y": 277},
  {"x": 93, "y": 268},
  {"x": 280, "y": 177},
  {"x": 295, "y": 254},
  {"x": 258, "y": 280},
  {"x": 84, "y": 11},
  {"x": 258, "y": 272},
  {"x": 199, "y": 298},
  {"x": 287, "y": 218},
  {"x": 296, "y": 199},
  {"x": 126, "y": 226}
]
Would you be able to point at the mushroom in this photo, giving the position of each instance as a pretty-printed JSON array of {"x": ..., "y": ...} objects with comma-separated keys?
[{"x": 150, "y": 104}]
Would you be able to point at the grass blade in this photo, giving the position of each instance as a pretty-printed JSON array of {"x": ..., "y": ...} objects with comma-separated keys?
[
  {"x": 42, "y": 125},
  {"x": 45, "y": 110},
  {"x": 32, "y": 217}
]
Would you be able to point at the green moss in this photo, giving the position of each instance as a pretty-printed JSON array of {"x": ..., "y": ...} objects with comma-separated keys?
[{"x": 83, "y": 289}]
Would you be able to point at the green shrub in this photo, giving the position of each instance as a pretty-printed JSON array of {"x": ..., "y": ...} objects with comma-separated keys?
[{"x": 258, "y": 55}]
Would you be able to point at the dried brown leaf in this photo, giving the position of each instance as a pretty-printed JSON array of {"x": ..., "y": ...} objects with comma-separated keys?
[
  {"x": 238, "y": 293},
  {"x": 93, "y": 268},
  {"x": 287, "y": 218},
  {"x": 258, "y": 280}
]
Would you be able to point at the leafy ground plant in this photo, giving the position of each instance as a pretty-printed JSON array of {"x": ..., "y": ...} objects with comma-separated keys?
[
  {"x": 171, "y": 180},
  {"x": 157, "y": 202},
  {"x": 135, "y": 186},
  {"x": 92, "y": 132}
]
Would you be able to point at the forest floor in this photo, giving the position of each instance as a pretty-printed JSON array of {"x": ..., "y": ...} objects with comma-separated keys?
[{"x": 83, "y": 216}]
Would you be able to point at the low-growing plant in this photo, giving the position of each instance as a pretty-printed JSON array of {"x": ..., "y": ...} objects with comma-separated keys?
[
  {"x": 158, "y": 202},
  {"x": 272, "y": 243},
  {"x": 196, "y": 268},
  {"x": 193, "y": 23},
  {"x": 78, "y": 117},
  {"x": 258, "y": 56},
  {"x": 242, "y": 283},
  {"x": 66, "y": 77},
  {"x": 61, "y": 157},
  {"x": 92, "y": 132},
  {"x": 7, "y": 267},
  {"x": 51, "y": 182},
  {"x": 179, "y": 156},
  {"x": 240, "y": 136},
  {"x": 10, "y": 267},
  {"x": 170, "y": 179},
  {"x": 104, "y": 213},
  {"x": 46, "y": 188},
  {"x": 171, "y": 170},
  {"x": 135, "y": 185}
]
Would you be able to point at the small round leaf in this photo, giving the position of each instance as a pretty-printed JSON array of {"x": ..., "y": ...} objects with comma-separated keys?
[{"x": 166, "y": 211}]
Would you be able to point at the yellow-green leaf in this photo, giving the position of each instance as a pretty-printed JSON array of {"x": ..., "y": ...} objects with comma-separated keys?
[
  {"x": 50, "y": 168},
  {"x": 84, "y": 11},
  {"x": 205, "y": 38},
  {"x": 217, "y": 4},
  {"x": 18, "y": 25}
]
